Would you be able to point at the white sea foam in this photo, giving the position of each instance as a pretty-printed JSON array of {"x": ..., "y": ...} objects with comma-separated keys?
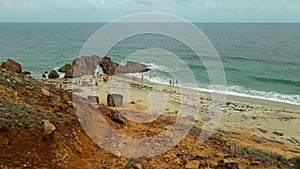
[{"x": 231, "y": 90}]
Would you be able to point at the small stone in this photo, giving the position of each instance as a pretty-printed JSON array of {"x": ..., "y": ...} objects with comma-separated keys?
[
  {"x": 79, "y": 149},
  {"x": 118, "y": 153},
  {"x": 177, "y": 160},
  {"x": 138, "y": 166},
  {"x": 255, "y": 162},
  {"x": 278, "y": 133},
  {"x": 194, "y": 164},
  {"x": 48, "y": 127}
]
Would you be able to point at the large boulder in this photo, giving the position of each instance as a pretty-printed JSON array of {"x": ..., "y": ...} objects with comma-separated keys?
[
  {"x": 11, "y": 65},
  {"x": 94, "y": 99},
  {"x": 85, "y": 65},
  {"x": 115, "y": 100},
  {"x": 53, "y": 74},
  {"x": 132, "y": 67},
  {"x": 108, "y": 66},
  {"x": 69, "y": 74},
  {"x": 66, "y": 67},
  {"x": 68, "y": 70}
]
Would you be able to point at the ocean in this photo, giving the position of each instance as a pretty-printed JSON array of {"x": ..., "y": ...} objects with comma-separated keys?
[{"x": 260, "y": 60}]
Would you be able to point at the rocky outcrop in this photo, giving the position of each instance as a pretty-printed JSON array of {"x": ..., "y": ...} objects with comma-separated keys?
[
  {"x": 109, "y": 67},
  {"x": 65, "y": 68},
  {"x": 69, "y": 74},
  {"x": 86, "y": 65},
  {"x": 68, "y": 70},
  {"x": 53, "y": 74},
  {"x": 132, "y": 67},
  {"x": 11, "y": 65}
]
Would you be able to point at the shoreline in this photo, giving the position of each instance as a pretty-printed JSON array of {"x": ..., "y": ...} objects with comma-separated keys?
[{"x": 233, "y": 97}]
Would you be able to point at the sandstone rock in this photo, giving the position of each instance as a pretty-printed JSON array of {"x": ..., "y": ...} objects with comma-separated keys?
[
  {"x": 255, "y": 163},
  {"x": 65, "y": 68},
  {"x": 11, "y": 65},
  {"x": 132, "y": 67},
  {"x": 194, "y": 164},
  {"x": 228, "y": 163},
  {"x": 117, "y": 99},
  {"x": 108, "y": 66},
  {"x": 45, "y": 92},
  {"x": 85, "y": 65},
  {"x": 138, "y": 166},
  {"x": 53, "y": 74},
  {"x": 114, "y": 100},
  {"x": 70, "y": 104},
  {"x": 116, "y": 116},
  {"x": 94, "y": 99},
  {"x": 68, "y": 70},
  {"x": 48, "y": 127},
  {"x": 69, "y": 74}
]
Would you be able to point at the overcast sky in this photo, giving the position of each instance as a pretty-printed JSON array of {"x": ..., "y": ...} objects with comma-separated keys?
[{"x": 192, "y": 10}]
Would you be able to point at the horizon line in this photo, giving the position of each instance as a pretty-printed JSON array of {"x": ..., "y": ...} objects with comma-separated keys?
[{"x": 228, "y": 22}]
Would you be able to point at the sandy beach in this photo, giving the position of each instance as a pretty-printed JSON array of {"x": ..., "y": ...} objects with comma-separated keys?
[{"x": 263, "y": 117}]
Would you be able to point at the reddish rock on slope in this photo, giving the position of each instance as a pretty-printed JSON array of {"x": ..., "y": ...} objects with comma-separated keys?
[{"x": 11, "y": 65}]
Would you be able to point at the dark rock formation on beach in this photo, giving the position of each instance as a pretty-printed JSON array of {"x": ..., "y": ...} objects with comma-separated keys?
[
  {"x": 86, "y": 65},
  {"x": 11, "y": 65},
  {"x": 65, "y": 68},
  {"x": 109, "y": 67},
  {"x": 68, "y": 70},
  {"x": 53, "y": 74},
  {"x": 114, "y": 100}
]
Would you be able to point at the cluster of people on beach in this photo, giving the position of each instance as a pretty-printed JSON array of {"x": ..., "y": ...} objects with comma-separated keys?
[
  {"x": 83, "y": 82},
  {"x": 173, "y": 82}
]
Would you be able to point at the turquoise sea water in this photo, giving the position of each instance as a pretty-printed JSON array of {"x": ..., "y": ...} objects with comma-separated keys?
[{"x": 260, "y": 60}]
